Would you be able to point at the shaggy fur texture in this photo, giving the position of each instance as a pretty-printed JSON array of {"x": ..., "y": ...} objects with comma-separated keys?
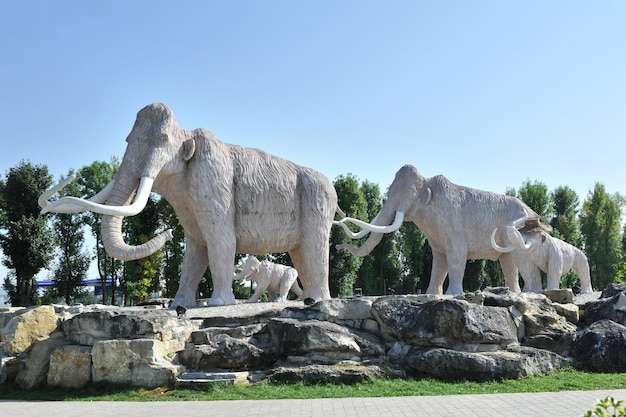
[
  {"x": 554, "y": 257},
  {"x": 458, "y": 222},
  {"x": 229, "y": 199},
  {"x": 276, "y": 279}
]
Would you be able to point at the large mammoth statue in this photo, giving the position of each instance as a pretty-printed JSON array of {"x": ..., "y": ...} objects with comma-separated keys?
[
  {"x": 554, "y": 257},
  {"x": 458, "y": 222},
  {"x": 228, "y": 199}
]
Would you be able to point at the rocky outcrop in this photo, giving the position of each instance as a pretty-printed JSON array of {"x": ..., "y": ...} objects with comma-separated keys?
[
  {"x": 511, "y": 363},
  {"x": 611, "y": 308},
  {"x": 490, "y": 334},
  {"x": 448, "y": 323},
  {"x": 137, "y": 362},
  {"x": 601, "y": 347},
  {"x": 128, "y": 346},
  {"x": 26, "y": 327},
  {"x": 74, "y": 361}
]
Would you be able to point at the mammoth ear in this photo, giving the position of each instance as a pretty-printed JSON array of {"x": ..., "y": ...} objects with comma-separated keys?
[
  {"x": 429, "y": 194},
  {"x": 189, "y": 148}
]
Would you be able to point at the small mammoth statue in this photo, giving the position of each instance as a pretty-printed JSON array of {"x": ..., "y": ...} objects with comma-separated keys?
[
  {"x": 276, "y": 279},
  {"x": 554, "y": 257}
]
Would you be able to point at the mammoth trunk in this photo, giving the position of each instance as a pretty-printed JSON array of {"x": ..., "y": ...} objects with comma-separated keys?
[{"x": 112, "y": 227}]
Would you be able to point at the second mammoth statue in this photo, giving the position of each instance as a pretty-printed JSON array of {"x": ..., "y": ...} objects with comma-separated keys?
[
  {"x": 459, "y": 222},
  {"x": 229, "y": 199}
]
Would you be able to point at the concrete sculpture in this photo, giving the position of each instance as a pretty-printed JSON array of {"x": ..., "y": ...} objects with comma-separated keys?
[
  {"x": 552, "y": 256},
  {"x": 276, "y": 279},
  {"x": 229, "y": 199},
  {"x": 458, "y": 222}
]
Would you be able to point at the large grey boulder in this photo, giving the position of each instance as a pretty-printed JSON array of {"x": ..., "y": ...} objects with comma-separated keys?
[
  {"x": 601, "y": 347},
  {"x": 541, "y": 325},
  {"x": 318, "y": 374},
  {"x": 447, "y": 323},
  {"x": 222, "y": 351},
  {"x": 610, "y": 308},
  {"x": 511, "y": 363},
  {"x": 291, "y": 337},
  {"x": 128, "y": 323},
  {"x": 70, "y": 367},
  {"x": 612, "y": 289},
  {"x": 26, "y": 327},
  {"x": 36, "y": 360},
  {"x": 136, "y": 363}
]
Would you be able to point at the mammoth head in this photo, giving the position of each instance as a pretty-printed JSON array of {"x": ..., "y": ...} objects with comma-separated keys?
[
  {"x": 246, "y": 268},
  {"x": 156, "y": 143},
  {"x": 407, "y": 193}
]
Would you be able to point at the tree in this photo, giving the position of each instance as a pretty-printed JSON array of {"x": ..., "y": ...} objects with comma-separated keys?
[
  {"x": 91, "y": 180},
  {"x": 142, "y": 276},
  {"x": 565, "y": 225},
  {"x": 72, "y": 263},
  {"x": 564, "y": 222},
  {"x": 343, "y": 265},
  {"x": 27, "y": 239},
  {"x": 417, "y": 259},
  {"x": 620, "y": 267},
  {"x": 174, "y": 249},
  {"x": 536, "y": 196},
  {"x": 368, "y": 275},
  {"x": 600, "y": 226}
]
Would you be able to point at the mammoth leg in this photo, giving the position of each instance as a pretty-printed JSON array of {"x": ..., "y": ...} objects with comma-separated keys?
[
  {"x": 581, "y": 266},
  {"x": 311, "y": 262},
  {"x": 555, "y": 269},
  {"x": 438, "y": 273},
  {"x": 221, "y": 253},
  {"x": 261, "y": 287},
  {"x": 456, "y": 270},
  {"x": 287, "y": 280},
  {"x": 510, "y": 271},
  {"x": 195, "y": 264}
]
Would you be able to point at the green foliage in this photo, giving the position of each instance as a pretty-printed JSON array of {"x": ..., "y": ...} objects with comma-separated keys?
[
  {"x": 91, "y": 180},
  {"x": 417, "y": 259},
  {"x": 72, "y": 262},
  {"x": 608, "y": 407},
  {"x": 26, "y": 238},
  {"x": 173, "y": 250},
  {"x": 600, "y": 226},
  {"x": 535, "y": 195},
  {"x": 564, "y": 220},
  {"x": 343, "y": 265},
  {"x": 142, "y": 276}
]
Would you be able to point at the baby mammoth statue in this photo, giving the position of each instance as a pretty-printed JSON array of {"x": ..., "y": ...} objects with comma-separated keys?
[
  {"x": 554, "y": 257},
  {"x": 276, "y": 279}
]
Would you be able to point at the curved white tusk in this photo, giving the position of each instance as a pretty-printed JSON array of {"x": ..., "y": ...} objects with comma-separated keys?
[
  {"x": 104, "y": 194},
  {"x": 350, "y": 233},
  {"x": 78, "y": 204},
  {"x": 516, "y": 238},
  {"x": 66, "y": 207},
  {"x": 43, "y": 198},
  {"x": 378, "y": 229},
  {"x": 502, "y": 249}
]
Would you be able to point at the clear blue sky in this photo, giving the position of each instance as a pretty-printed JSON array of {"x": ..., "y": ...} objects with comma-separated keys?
[{"x": 487, "y": 93}]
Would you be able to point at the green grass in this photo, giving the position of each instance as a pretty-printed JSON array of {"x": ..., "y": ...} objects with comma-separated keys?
[{"x": 565, "y": 380}]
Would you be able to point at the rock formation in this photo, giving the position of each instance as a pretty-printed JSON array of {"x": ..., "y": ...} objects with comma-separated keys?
[{"x": 490, "y": 334}]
